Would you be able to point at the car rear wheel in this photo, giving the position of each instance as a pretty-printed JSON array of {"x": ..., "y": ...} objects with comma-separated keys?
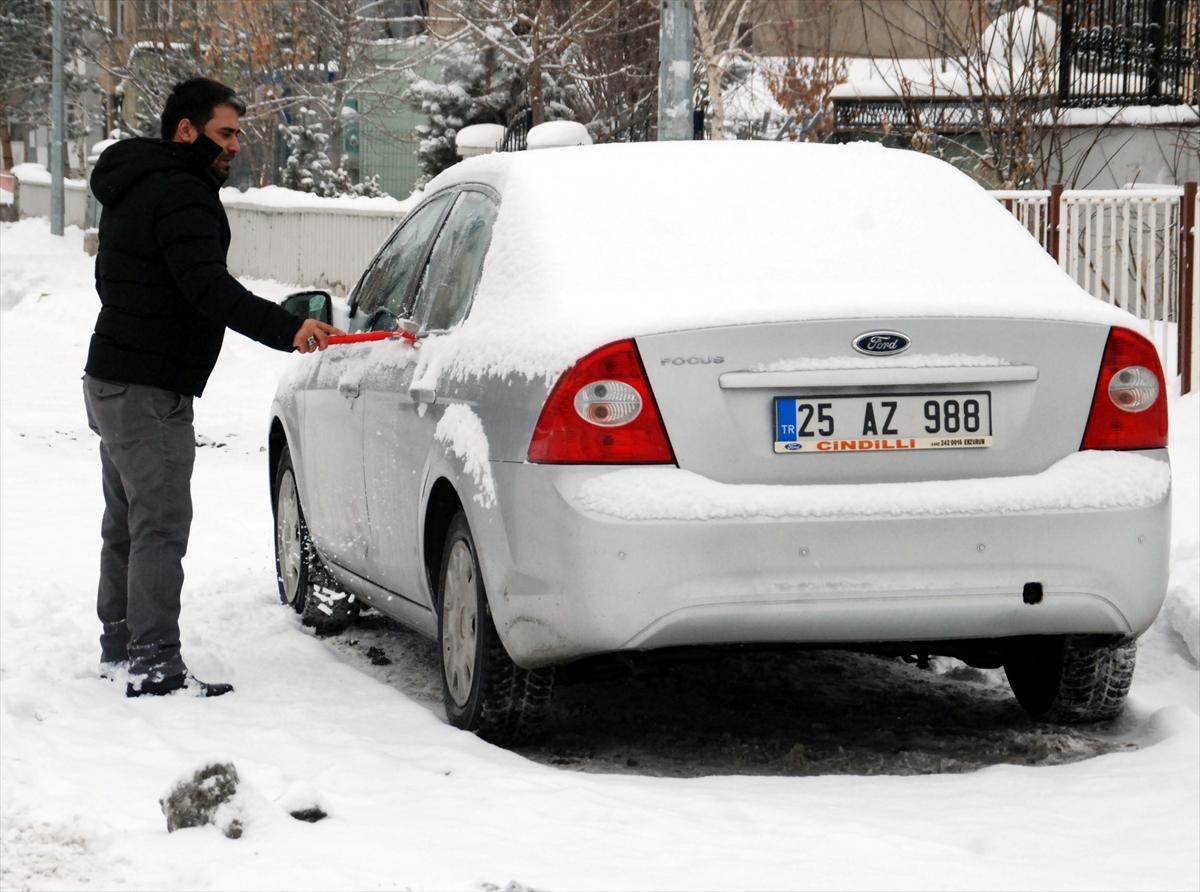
[
  {"x": 1072, "y": 678},
  {"x": 304, "y": 584},
  {"x": 483, "y": 689}
]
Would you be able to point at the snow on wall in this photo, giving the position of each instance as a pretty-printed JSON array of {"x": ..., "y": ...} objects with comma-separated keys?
[
  {"x": 37, "y": 175},
  {"x": 33, "y": 200},
  {"x": 280, "y": 199},
  {"x": 1130, "y": 116}
]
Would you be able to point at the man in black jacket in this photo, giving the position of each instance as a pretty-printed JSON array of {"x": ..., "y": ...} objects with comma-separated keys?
[{"x": 166, "y": 299}]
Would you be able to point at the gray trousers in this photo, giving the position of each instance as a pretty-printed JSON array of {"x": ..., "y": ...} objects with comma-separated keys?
[{"x": 147, "y": 450}]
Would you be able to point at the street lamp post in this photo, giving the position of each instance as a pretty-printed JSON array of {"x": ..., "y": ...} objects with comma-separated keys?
[{"x": 675, "y": 50}]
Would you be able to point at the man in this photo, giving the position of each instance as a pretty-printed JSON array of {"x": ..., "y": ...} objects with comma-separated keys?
[{"x": 166, "y": 299}]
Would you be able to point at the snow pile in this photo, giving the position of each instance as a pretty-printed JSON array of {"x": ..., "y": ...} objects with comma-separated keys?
[
  {"x": 1181, "y": 612},
  {"x": 478, "y": 139},
  {"x": 462, "y": 432},
  {"x": 1021, "y": 50},
  {"x": 1129, "y": 115},
  {"x": 558, "y": 134},
  {"x": 1086, "y": 481},
  {"x": 29, "y": 172},
  {"x": 596, "y": 244},
  {"x": 43, "y": 263},
  {"x": 276, "y": 197}
]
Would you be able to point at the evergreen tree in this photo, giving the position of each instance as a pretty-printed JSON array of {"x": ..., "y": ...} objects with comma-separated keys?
[
  {"x": 592, "y": 61},
  {"x": 475, "y": 88},
  {"x": 308, "y": 168}
]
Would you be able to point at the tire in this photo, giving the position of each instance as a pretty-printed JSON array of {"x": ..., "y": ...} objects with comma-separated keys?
[
  {"x": 1071, "y": 679},
  {"x": 304, "y": 584},
  {"x": 483, "y": 689}
]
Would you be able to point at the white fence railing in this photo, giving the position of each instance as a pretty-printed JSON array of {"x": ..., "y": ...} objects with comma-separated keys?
[
  {"x": 1127, "y": 247},
  {"x": 317, "y": 247}
]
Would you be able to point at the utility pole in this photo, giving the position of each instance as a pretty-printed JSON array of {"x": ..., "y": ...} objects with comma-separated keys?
[
  {"x": 57, "y": 128},
  {"x": 675, "y": 51}
]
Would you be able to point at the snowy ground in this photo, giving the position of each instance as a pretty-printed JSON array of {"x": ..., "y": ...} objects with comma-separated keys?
[{"x": 756, "y": 771}]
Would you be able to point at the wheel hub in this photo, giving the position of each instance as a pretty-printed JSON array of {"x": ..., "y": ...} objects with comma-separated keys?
[
  {"x": 459, "y": 623},
  {"x": 287, "y": 537}
]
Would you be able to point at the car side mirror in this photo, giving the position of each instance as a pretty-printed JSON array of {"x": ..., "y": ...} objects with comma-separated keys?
[{"x": 310, "y": 305}]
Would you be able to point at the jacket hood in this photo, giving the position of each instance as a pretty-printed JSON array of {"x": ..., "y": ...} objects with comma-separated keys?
[{"x": 127, "y": 162}]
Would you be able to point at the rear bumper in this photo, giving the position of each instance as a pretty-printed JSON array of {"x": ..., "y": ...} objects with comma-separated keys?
[{"x": 589, "y": 561}]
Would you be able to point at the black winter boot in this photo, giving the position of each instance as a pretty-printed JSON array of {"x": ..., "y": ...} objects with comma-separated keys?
[{"x": 184, "y": 682}]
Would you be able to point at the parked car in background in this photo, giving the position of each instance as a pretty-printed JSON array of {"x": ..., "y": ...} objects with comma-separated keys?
[{"x": 631, "y": 397}]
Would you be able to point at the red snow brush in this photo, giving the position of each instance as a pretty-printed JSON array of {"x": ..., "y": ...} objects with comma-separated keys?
[{"x": 406, "y": 332}]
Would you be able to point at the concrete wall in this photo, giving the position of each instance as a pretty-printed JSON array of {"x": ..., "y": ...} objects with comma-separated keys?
[
  {"x": 310, "y": 247},
  {"x": 33, "y": 200},
  {"x": 1108, "y": 158},
  {"x": 876, "y": 28}
]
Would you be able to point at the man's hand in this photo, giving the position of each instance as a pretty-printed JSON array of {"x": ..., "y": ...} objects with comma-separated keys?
[{"x": 314, "y": 335}]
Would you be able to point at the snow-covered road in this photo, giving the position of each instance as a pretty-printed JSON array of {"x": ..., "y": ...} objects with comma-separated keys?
[{"x": 762, "y": 771}]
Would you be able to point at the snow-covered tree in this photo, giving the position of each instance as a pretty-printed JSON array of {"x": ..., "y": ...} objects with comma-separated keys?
[
  {"x": 26, "y": 38},
  {"x": 1001, "y": 72},
  {"x": 803, "y": 88},
  {"x": 308, "y": 168},
  {"x": 474, "y": 88},
  {"x": 275, "y": 53},
  {"x": 614, "y": 71},
  {"x": 343, "y": 181},
  {"x": 592, "y": 61},
  {"x": 535, "y": 36}
]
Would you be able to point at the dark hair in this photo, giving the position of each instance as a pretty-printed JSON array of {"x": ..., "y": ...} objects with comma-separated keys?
[{"x": 195, "y": 100}]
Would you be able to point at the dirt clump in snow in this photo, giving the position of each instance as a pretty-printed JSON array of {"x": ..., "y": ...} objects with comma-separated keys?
[{"x": 205, "y": 798}]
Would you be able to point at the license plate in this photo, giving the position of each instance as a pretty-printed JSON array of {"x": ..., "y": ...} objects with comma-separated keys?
[{"x": 883, "y": 422}]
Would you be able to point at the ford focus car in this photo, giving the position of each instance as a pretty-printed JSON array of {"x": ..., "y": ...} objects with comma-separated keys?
[{"x": 631, "y": 397}]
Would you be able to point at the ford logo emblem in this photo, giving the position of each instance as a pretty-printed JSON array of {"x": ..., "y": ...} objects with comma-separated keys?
[{"x": 881, "y": 343}]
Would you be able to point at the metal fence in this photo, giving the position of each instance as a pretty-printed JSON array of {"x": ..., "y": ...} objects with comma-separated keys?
[
  {"x": 1129, "y": 52},
  {"x": 1134, "y": 248}
]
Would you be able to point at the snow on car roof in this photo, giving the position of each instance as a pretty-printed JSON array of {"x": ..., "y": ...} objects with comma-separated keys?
[{"x": 594, "y": 244}]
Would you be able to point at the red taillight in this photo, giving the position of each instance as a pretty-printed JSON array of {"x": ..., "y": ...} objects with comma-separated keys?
[
  {"x": 602, "y": 411},
  {"x": 1129, "y": 407}
]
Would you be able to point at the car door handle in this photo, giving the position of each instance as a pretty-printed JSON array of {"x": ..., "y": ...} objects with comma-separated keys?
[
  {"x": 349, "y": 389},
  {"x": 423, "y": 394}
]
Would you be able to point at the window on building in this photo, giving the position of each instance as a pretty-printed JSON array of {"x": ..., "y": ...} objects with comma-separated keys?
[
  {"x": 157, "y": 13},
  {"x": 402, "y": 18}
]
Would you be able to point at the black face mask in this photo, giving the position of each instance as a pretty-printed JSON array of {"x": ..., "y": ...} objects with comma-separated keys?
[
  {"x": 206, "y": 153},
  {"x": 203, "y": 149},
  {"x": 203, "y": 154}
]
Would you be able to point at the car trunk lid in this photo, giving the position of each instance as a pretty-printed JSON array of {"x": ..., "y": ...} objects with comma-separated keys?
[{"x": 965, "y": 397}]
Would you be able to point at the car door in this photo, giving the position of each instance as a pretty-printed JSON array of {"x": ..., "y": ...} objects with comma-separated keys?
[
  {"x": 401, "y": 417},
  {"x": 335, "y": 492}
]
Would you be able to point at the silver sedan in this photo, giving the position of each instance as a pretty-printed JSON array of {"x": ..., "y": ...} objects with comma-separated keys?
[{"x": 621, "y": 398}]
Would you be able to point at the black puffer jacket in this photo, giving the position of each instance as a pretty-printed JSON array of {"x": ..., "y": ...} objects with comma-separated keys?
[{"x": 166, "y": 296}]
